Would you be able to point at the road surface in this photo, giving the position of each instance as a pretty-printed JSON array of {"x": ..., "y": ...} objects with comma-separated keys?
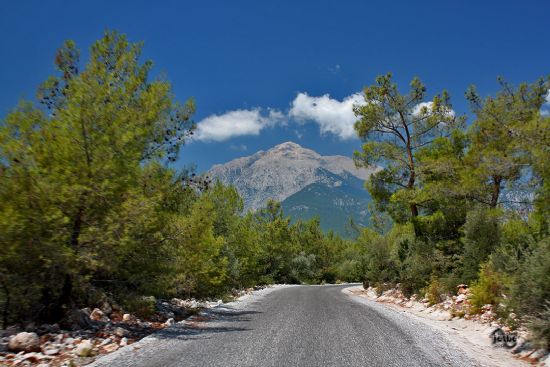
[{"x": 295, "y": 326}]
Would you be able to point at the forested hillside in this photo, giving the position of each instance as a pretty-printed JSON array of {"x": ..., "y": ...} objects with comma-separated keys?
[{"x": 90, "y": 208}]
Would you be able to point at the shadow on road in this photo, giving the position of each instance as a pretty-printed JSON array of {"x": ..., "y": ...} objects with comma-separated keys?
[{"x": 207, "y": 324}]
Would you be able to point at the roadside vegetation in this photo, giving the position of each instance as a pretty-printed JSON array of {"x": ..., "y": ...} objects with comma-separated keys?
[
  {"x": 460, "y": 203},
  {"x": 91, "y": 209}
]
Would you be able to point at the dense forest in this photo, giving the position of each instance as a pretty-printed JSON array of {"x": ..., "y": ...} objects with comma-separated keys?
[{"x": 90, "y": 207}]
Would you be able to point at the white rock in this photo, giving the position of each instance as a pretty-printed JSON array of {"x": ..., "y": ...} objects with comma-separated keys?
[
  {"x": 123, "y": 342},
  {"x": 106, "y": 341},
  {"x": 84, "y": 349},
  {"x": 461, "y": 298},
  {"x": 24, "y": 341},
  {"x": 169, "y": 322},
  {"x": 51, "y": 352},
  {"x": 126, "y": 317}
]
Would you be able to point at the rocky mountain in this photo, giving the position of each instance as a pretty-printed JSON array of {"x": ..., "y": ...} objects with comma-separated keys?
[{"x": 306, "y": 183}]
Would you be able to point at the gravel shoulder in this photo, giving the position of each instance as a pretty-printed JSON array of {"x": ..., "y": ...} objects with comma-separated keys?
[{"x": 471, "y": 338}]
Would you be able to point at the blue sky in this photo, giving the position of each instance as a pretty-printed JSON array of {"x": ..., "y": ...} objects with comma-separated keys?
[{"x": 258, "y": 69}]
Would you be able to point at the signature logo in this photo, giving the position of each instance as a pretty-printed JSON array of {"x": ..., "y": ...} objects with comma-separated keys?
[{"x": 502, "y": 339}]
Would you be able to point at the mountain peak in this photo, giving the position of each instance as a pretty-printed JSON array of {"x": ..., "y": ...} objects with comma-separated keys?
[
  {"x": 281, "y": 171},
  {"x": 288, "y": 145}
]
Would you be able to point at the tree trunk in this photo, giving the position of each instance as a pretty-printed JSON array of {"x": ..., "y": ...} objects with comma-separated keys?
[
  {"x": 6, "y": 310},
  {"x": 414, "y": 210},
  {"x": 410, "y": 185},
  {"x": 495, "y": 195}
]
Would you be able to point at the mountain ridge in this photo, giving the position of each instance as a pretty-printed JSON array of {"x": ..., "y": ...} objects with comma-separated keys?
[{"x": 281, "y": 171}]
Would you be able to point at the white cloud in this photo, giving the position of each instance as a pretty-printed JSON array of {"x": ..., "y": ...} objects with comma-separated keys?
[
  {"x": 332, "y": 116},
  {"x": 548, "y": 97},
  {"x": 236, "y": 123}
]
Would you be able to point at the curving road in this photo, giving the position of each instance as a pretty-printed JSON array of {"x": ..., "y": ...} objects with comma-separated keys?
[{"x": 295, "y": 326}]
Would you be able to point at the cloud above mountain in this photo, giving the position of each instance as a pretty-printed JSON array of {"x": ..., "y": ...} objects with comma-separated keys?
[
  {"x": 236, "y": 123},
  {"x": 333, "y": 116}
]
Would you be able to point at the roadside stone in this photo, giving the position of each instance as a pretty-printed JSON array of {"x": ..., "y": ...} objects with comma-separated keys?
[
  {"x": 33, "y": 357},
  {"x": 84, "y": 349},
  {"x": 75, "y": 319},
  {"x": 127, "y": 317},
  {"x": 169, "y": 322},
  {"x": 106, "y": 341},
  {"x": 123, "y": 342},
  {"x": 461, "y": 298},
  {"x": 28, "y": 342},
  {"x": 106, "y": 308},
  {"x": 98, "y": 315},
  {"x": 51, "y": 352},
  {"x": 121, "y": 332}
]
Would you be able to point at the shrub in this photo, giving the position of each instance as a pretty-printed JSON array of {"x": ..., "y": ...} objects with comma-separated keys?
[
  {"x": 434, "y": 291},
  {"x": 531, "y": 284},
  {"x": 539, "y": 326},
  {"x": 143, "y": 307},
  {"x": 481, "y": 236},
  {"x": 487, "y": 289}
]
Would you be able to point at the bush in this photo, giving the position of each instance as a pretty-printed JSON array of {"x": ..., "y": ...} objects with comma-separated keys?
[
  {"x": 143, "y": 307},
  {"x": 487, "y": 289},
  {"x": 481, "y": 236},
  {"x": 435, "y": 291},
  {"x": 531, "y": 284},
  {"x": 539, "y": 326}
]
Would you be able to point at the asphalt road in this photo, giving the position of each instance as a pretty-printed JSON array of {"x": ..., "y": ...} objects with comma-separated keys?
[{"x": 296, "y": 326}]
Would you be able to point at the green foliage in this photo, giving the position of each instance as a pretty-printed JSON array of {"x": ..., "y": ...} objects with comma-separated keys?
[
  {"x": 450, "y": 187},
  {"x": 481, "y": 237},
  {"x": 531, "y": 285},
  {"x": 434, "y": 291},
  {"x": 539, "y": 326},
  {"x": 90, "y": 208},
  {"x": 487, "y": 289},
  {"x": 395, "y": 127},
  {"x": 497, "y": 155}
]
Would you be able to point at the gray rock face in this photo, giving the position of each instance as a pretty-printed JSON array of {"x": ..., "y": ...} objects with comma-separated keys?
[{"x": 281, "y": 172}]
